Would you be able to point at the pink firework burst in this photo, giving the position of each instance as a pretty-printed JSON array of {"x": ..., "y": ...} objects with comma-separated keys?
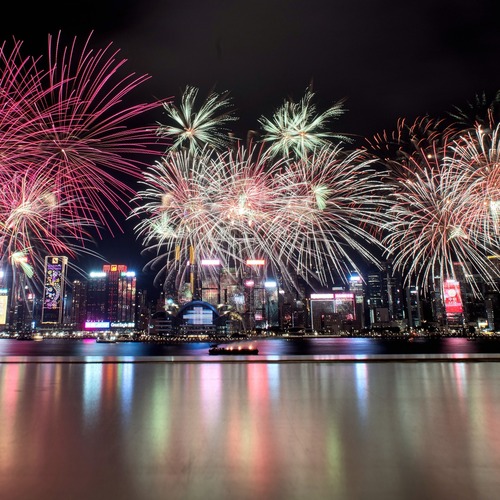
[{"x": 75, "y": 119}]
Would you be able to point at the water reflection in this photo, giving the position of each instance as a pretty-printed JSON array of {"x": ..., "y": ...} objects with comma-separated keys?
[
  {"x": 249, "y": 430},
  {"x": 271, "y": 348}
]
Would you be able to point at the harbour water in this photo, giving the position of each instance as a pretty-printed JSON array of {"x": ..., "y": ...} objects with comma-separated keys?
[
  {"x": 268, "y": 346},
  {"x": 122, "y": 421}
]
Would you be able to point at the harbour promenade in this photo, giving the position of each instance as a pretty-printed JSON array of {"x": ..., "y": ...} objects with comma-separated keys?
[{"x": 346, "y": 426}]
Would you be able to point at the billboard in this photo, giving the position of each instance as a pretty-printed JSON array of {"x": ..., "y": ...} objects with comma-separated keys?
[
  {"x": 53, "y": 290},
  {"x": 452, "y": 297},
  {"x": 3, "y": 306}
]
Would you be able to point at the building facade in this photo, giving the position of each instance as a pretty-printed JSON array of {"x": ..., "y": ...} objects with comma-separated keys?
[{"x": 111, "y": 299}]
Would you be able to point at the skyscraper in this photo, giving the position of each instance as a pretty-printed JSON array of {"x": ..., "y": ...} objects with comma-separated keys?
[
  {"x": 111, "y": 298},
  {"x": 78, "y": 304}
]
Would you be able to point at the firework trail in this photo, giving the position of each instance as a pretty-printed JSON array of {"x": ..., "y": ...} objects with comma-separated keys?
[
  {"x": 196, "y": 127},
  {"x": 477, "y": 154},
  {"x": 297, "y": 129},
  {"x": 430, "y": 230},
  {"x": 237, "y": 205},
  {"x": 72, "y": 118}
]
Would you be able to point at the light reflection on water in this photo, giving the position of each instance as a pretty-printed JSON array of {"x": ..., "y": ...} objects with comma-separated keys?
[
  {"x": 249, "y": 430},
  {"x": 456, "y": 347}
]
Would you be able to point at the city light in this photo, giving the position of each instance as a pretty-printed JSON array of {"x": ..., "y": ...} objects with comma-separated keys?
[{"x": 210, "y": 262}]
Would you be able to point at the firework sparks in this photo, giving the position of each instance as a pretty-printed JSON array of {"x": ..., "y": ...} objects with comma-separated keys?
[
  {"x": 328, "y": 213},
  {"x": 236, "y": 205},
  {"x": 20, "y": 259},
  {"x": 199, "y": 127},
  {"x": 430, "y": 230},
  {"x": 297, "y": 128},
  {"x": 33, "y": 215},
  {"x": 71, "y": 118},
  {"x": 68, "y": 150},
  {"x": 477, "y": 154}
]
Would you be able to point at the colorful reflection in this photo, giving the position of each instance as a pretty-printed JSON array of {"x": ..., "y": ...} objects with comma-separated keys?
[{"x": 249, "y": 429}]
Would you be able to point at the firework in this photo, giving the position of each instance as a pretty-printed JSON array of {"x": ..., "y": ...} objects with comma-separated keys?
[
  {"x": 35, "y": 219},
  {"x": 477, "y": 154},
  {"x": 430, "y": 234},
  {"x": 296, "y": 128},
  {"x": 237, "y": 205},
  {"x": 424, "y": 136},
  {"x": 483, "y": 111},
  {"x": 195, "y": 128},
  {"x": 71, "y": 119},
  {"x": 186, "y": 205},
  {"x": 328, "y": 213}
]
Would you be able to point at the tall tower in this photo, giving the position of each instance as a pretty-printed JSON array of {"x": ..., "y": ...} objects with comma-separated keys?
[
  {"x": 111, "y": 298},
  {"x": 78, "y": 304},
  {"x": 53, "y": 290}
]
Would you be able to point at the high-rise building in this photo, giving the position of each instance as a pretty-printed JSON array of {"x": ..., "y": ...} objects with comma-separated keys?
[
  {"x": 386, "y": 298},
  {"x": 54, "y": 290},
  {"x": 377, "y": 298},
  {"x": 413, "y": 306},
  {"x": 22, "y": 298},
  {"x": 357, "y": 286},
  {"x": 78, "y": 304},
  {"x": 111, "y": 298}
]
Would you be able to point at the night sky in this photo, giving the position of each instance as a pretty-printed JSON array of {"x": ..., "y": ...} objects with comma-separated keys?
[{"x": 388, "y": 59}]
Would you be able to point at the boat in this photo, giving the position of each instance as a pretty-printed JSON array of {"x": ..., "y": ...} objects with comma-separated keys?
[
  {"x": 233, "y": 350},
  {"x": 37, "y": 337},
  {"x": 106, "y": 340}
]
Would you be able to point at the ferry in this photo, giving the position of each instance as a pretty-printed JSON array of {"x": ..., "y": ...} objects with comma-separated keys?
[
  {"x": 233, "y": 350},
  {"x": 106, "y": 339}
]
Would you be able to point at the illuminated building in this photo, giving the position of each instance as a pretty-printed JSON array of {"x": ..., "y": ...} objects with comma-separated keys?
[
  {"x": 414, "y": 306},
  {"x": 333, "y": 312},
  {"x": 386, "y": 298},
  {"x": 356, "y": 286},
  {"x": 54, "y": 290},
  {"x": 22, "y": 298},
  {"x": 111, "y": 298}
]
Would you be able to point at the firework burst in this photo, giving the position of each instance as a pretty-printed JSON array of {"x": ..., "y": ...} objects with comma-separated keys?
[
  {"x": 328, "y": 212},
  {"x": 196, "y": 127},
  {"x": 303, "y": 218},
  {"x": 71, "y": 118},
  {"x": 431, "y": 235},
  {"x": 35, "y": 218},
  {"x": 199, "y": 201},
  {"x": 477, "y": 154},
  {"x": 296, "y": 128}
]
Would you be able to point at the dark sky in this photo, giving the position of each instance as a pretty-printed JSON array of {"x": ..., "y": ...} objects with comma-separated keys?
[{"x": 389, "y": 59}]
